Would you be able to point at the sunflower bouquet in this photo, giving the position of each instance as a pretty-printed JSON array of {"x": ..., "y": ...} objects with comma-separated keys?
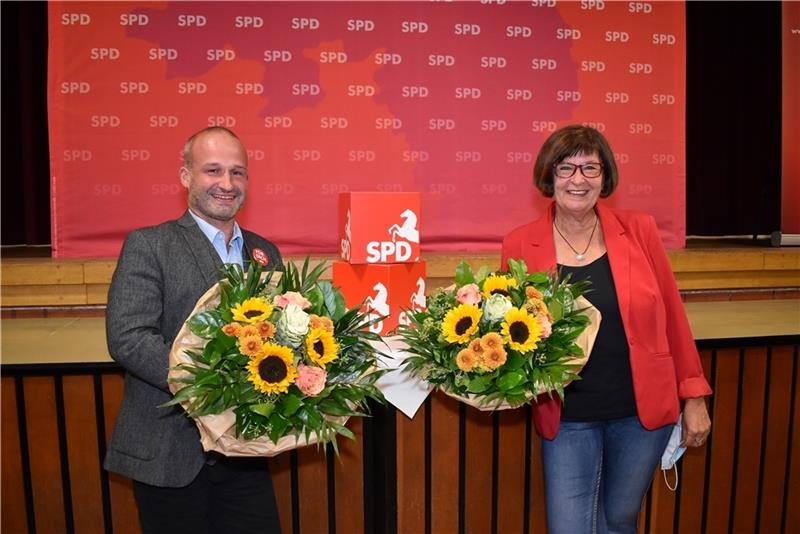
[
  {"x": 498, "y": 340},
  {"x": 267, "y": 363}
]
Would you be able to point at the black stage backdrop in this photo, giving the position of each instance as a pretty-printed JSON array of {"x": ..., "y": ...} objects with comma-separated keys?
[{"x": 733, "y": 123}]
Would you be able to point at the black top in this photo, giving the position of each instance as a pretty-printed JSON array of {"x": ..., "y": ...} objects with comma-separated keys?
[{"x": 605, "y": 390}]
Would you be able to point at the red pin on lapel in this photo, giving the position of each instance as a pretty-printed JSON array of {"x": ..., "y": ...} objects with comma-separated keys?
[{"x": 260, "y": 256}]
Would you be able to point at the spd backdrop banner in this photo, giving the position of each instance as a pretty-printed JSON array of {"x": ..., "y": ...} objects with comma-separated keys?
[{"x": 451, "y": 99}]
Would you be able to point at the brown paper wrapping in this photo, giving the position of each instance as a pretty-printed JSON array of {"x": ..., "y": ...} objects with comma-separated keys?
[
  {"x": 217, "y": 431},
  {"x": 584, "y": 341}
]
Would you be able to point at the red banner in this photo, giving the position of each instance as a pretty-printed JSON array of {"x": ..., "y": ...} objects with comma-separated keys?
[{"x": 451, "y": 99}]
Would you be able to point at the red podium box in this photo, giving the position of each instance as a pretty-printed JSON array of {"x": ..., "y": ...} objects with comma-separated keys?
[
  {"x": 379, "y": 227},
  {"x": 388, "y": 289}
]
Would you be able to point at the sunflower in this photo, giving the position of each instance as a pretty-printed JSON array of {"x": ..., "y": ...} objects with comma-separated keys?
[
  {"x": 466, "y": 360},
  {"x": 497, "y": 284},
  {"x": 272, "y": 369},
  {"x": 250, "y": 345},
  {"x": 252, "y": 310},
  {"x": 520, "y": 330},
  {"x": 461, "y": 323},
  {"x": 265, "y": 329},
  {"x": 321, "y": 346}
]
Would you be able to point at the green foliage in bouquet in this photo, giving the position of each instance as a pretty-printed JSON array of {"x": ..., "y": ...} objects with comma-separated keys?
[
  {"x": 503, "y": 336},
  {"x": 287, "y": 357}
]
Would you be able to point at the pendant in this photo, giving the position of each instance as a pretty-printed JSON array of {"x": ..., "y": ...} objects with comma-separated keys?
[{"x": 579, "y": 257}]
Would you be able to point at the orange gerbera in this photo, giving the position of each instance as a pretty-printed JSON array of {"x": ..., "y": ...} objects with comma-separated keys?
[
  {"x": 247, "y": 331},
  {"x": 492, "y": 340},
  {"x": 265, "y": 329},
  {"x": 533, "y": 293},
  {"x": 494, "y": 358},
  {"x": 323, "y": 323},
  {"x": 476, "y": 347},
  {"x": 250, "y": 345},
  {"x": 466, "y": 360},
  {"x": 232, "y": 329}
]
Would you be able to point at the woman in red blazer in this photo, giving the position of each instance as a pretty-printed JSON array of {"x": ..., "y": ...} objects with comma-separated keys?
[{"x": 602, "y": 444}]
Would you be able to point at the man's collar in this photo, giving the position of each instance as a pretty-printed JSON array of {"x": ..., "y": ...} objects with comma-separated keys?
[{"x": 211, "y": 231}]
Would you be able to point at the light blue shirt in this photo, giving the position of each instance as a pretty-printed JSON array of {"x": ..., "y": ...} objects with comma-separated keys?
[{"x": 230, "y": 253}]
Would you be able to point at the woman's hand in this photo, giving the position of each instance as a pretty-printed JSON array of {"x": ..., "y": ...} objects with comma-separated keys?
[{"x": 696, "y": 423}]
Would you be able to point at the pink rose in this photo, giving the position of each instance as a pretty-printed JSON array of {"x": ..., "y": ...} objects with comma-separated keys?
[
  {"x": 310, "y": 380},
  {"x": 545, "y": 325},
  {"x": 468, "y": 294},
  {"x": 292, "y": 297}
]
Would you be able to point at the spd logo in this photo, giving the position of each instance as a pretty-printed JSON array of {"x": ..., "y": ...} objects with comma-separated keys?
[{"x": 402, "y": 234}]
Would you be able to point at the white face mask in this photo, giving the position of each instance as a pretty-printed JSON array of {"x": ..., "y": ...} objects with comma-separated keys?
[{"x": 672, "y": 453}]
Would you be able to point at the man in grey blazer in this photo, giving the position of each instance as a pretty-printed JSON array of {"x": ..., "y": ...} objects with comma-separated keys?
[{"x": 161, "y": 273}]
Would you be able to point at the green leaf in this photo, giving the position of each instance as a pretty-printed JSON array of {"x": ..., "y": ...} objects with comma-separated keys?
[
  {"x": 332, "y": 407},
  {"x": 205, "y": 324},
  {"x": 514, "y": 361},
  {"x": 263, "y": 408},
  {"x": 290, "y": 404},
  {"x": 479, "y": 384},
  {"x": 510, "y": 380},
  {"x": 556, "y": 310},
  {"x": 464, "y": 274}
]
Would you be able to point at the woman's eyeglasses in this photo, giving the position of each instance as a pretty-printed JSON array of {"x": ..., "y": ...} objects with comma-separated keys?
[{"x": 567, "y": 170}]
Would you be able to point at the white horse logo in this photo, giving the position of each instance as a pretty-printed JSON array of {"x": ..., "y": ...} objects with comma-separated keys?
[
  {"x": 417, "y": 300},
  {"x": 407, "y": 230},
  {"x": 348, "y": 238},
  {"x": 377, "y": 307}
]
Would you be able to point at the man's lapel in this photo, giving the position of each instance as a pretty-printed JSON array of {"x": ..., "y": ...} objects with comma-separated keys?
[{"x": 201, "y": 249}]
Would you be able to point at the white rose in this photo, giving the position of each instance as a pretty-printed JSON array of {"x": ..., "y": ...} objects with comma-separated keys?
[
  {"x": 292, "y": 325},
  {"x": 495, "y": 307}
]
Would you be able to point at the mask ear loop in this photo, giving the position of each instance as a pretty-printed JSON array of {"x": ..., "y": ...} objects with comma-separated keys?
[{"x": 666, "y": 481}]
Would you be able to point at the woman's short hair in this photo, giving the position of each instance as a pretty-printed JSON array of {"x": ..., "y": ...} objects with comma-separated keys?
[{"x": 570, "y": 141}]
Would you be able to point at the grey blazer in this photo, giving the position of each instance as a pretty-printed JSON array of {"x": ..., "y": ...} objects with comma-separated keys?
[{"x": 161, "y": 273}]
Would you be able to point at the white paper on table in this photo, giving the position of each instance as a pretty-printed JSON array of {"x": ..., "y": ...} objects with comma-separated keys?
[{"x": 403, "y": 390}]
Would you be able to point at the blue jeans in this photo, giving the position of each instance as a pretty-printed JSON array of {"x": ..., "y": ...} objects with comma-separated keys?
[{"x": 597, "y": 473}]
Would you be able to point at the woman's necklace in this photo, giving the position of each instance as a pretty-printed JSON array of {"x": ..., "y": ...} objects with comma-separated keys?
[{"x": 578, "y": 255}]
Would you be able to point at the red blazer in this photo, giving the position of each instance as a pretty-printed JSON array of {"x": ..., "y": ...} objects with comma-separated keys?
[{"x": 664, "y": 361}]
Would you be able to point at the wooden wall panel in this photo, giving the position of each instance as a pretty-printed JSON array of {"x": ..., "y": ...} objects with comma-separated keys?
[
  {"x": 411, "y": 493},
  {"x": 511, "y": 471},
  {"x": 12, "y": 497},
  {"x": 720, "y": 482},
  {"x": 745, "y": 479},
  {"x": 124, "y": 514},
  {"x": 312, "y": 474},
  {"x": 777, "y": 439},
  {"x": 83, "y": 453},
  {"x": 280, "y": 467},
  {"x": 790, "y": 509},
  {"x": 349, "y": 480},
  {"x": 749, "y": 439},
  {"x": 477, "y": 477},
  {"x": 40, "y": 411},
  {"x": 444, "y": 464},
  {"x": 692, "y": 471},
  {"x": 538, "y": 514}
]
